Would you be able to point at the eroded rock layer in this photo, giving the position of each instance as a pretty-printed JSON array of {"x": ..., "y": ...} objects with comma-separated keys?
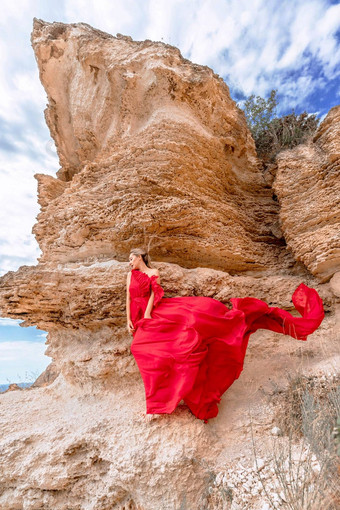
[
  {"x": 308, "y": 187},
  {"x": 82, "y": 306},
  {"x": 153, "y": 149}
]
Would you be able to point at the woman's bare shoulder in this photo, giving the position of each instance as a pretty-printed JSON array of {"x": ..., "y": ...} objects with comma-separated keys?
[
  {"x": 128, "y": 276},
  {"x": 154, "y": 272}
]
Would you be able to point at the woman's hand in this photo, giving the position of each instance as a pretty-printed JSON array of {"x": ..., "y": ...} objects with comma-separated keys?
[
  {"x": 147, "y": 316},
  {"x": 130, "y": 326}
]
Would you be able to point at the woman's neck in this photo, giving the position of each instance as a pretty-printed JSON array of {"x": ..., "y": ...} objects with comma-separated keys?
[{"x": 143, "y": 269}]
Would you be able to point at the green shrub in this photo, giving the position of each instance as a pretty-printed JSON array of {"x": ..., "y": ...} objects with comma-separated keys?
[{"x": 273, "y": 134}]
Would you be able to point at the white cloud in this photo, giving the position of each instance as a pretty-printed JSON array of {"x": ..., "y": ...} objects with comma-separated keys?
[
  {"x": 253, "y": 44},
  {"x": 9, "y": 322},
  {"x": 127, "y": 17},
  {"x": 25, "y": 140},
  {"x": 18, "y": 198},
  {"x": 22, "y": 361}
]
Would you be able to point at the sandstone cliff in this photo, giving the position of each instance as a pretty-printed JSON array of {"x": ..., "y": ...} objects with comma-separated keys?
[
  {"x": 152, "y": 148},
  {"x": 308, "y": 187},
  {"x": 150, "y": 145}
]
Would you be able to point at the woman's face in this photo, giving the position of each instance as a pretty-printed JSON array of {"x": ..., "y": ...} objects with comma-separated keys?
[{"x": 134, "y": 260}]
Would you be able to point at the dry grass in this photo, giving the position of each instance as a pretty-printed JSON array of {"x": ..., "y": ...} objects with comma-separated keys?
[
  {"x": 303, "y": 394},
  {"x": 306, "y": 459}
]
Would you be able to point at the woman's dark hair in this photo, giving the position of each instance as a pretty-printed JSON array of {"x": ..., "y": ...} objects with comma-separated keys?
[{"x": 145, "y": 255}]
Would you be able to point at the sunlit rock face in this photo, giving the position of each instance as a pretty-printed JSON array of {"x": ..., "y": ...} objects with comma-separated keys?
[
  {"x": 308, "y": 187},
  {"x": 152, "y": 149}
]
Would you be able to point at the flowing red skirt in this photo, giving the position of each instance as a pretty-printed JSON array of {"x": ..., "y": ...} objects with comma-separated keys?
[{"x": 193, "y": 348}]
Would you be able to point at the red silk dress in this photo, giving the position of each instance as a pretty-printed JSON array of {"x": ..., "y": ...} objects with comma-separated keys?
[{"x": 193, "y": 347}]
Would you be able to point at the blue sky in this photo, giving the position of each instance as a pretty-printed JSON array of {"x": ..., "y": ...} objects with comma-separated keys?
[
  {"x": 255, "y": 46},
  {"x": 22, "y": 350}
]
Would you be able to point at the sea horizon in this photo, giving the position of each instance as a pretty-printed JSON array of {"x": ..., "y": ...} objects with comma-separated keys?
[{"x": 5, "y": 386}]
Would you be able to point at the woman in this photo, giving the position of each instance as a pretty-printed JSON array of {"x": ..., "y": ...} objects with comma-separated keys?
[{"x": 192, "y": 348}]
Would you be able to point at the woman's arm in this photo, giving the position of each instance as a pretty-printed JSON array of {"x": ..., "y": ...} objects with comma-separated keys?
[
  {"x": 148, "y": 310},
  {"x": 147, "y": 313},
  {"x": 128, "y": 313}
]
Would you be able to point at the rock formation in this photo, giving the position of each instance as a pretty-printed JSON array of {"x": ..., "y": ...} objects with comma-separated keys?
[
  {"x": 49, "y": 375},
  {"x": 151, "y": 148},
  {"x": 308, "y": 187}
]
